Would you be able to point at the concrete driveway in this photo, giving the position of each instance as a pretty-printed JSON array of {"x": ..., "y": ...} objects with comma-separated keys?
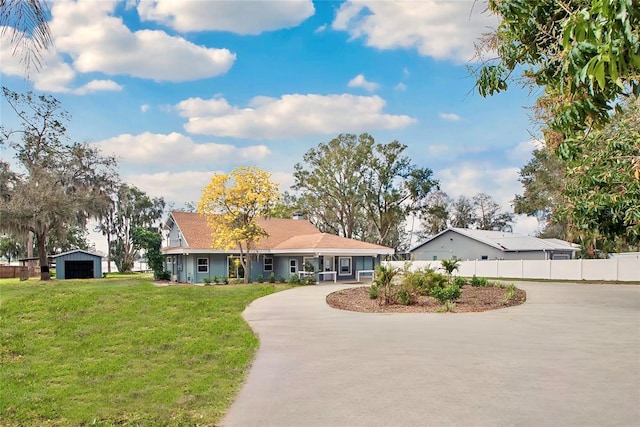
[{"x": 570, "y": 356}]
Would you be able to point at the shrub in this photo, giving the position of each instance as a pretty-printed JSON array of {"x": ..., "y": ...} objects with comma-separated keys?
[
  {"x": 294, "y": 280},
  {"x": 260, "y": 278},
  {"x": 373, "y": 291},
  {"x": 164, "y": 275},
  {"x": 281, "y": 279},
  {"x": 384, "y": 282},
  {"x": 225, "y": 280},
  {"x": 272, "y": 278},
  {"x": 405, "y": 298},
  {"x": 449, "y": 306},
  {"x": 422, "y": 281},
  {"x": 510, "y": 293},
  {"x": 206, "y": 281},
  {"x": 459, "y": 281},
  {"x": 479, "y": 281},
  {"x": 448, "y": 293}
]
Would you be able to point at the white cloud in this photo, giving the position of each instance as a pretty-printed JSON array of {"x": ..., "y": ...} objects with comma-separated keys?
[
  {"x": 96, "y": 86},
  {"x": 100, "y": 42},
  {"x": 55, "y": 76},
  {"x": 401, "y": 87},
  {"x": 521, "y": 153},
  {"x": 289, "y": 116},
  {"x": 187, "y": 186},
  {"x": 440, "y": 29},
  {"x": 144, "y": 108},
  {"x": 96, "y": 41},
  {"x": 241, "y": 17},
  {"x": 176, "y": 150},
  {"x": 321, "y": 28},
  {"x": 178, "y": 187},
  {"x": 452, "y": 117},
  {"x": 469, "y": 178},
  {"x": 437, "y": 150},
  {"x": 405, "y": 72},
  {"x": 360, "y": 81}
]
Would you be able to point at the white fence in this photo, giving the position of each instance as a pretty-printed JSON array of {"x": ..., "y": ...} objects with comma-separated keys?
[{"x": 616, "y": 269}]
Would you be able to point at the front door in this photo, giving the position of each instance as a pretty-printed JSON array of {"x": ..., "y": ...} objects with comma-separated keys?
[{"x": 328, "y": 265}]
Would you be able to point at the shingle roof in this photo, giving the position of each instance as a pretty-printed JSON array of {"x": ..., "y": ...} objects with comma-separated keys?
[
  {"x": 326, "y": 241},
  {"x": 284, "y": 234}
]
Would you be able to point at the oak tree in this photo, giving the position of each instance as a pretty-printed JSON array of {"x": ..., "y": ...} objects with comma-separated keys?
[
  {"x": 56, "y": 185},
  {"x": 357, "y": 188}
]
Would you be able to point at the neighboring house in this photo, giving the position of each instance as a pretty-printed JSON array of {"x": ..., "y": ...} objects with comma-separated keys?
[
  {"x": 291, "y": 244},
  {"x": 468, "y": 244},
  {"x": 77, "y": 264}
]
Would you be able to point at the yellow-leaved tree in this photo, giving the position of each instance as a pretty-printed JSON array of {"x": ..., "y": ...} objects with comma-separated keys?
[{"x": 232, "y": 202}]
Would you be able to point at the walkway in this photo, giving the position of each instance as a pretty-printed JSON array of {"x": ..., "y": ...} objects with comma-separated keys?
[{"x": 569, "y": 356}]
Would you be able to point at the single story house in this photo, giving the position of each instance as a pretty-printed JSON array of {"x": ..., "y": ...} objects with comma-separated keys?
[
  {"x": 77, "y": 264},
  {"x": 291, "y": 245},
  {"x": 468, "y": 244}
]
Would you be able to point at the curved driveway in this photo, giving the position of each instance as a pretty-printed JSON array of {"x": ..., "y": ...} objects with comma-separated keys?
[{"x": 570, "y": 356}]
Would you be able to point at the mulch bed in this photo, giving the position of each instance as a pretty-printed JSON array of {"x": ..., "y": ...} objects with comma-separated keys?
[{"x": 472, "y": 299}]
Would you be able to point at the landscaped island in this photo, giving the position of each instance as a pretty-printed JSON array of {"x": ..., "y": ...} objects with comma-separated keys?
[{"x": 426, "y": 291}]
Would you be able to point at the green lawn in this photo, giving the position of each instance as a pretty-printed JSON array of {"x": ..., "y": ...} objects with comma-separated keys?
[{"x": 120, "y": 351}]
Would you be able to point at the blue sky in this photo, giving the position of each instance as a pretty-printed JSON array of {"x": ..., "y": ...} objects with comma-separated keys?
[{"x": 180, "y": 90}]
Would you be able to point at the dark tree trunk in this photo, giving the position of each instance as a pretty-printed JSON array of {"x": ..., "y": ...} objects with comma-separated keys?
[{"x": 42, "y": 254}]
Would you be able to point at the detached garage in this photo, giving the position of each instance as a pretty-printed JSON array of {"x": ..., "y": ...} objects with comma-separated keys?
[{"x": 78, "y": 264}]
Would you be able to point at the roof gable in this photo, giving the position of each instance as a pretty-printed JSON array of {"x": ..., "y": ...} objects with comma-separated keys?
[{"x": 73, "y": 251}]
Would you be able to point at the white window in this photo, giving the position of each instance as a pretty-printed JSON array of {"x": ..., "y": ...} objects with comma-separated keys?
[
  {"x": 268, "y": 264},
  {"x": 345, "y": 266},
  {"x": 203, "y": 265},
  {"x": 293, "y": 266}
]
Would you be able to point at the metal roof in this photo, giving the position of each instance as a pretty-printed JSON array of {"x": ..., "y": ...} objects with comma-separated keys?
[{"x": 509, "y": 242}]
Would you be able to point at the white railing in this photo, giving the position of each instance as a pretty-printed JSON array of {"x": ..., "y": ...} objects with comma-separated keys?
[
  {"x": 620, "y": 269},
  {"x": 335, "y": 275},
  {"x": 371, "y": 273}
]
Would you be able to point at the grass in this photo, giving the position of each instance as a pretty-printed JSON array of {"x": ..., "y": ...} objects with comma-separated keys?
[{"x": 120, "y": 351}]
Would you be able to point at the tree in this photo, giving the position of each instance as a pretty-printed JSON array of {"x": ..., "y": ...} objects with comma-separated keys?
[
  {"x": 287, "y": 207},
  {"x": 584, "y": 53},
  {"x": 26, "y": 20},
  {"x": 356, "y": 188},
  {"x": 463, "y": 214},
  {"x": 75, "y": 237},
  {"x": 129, "y": 209},
  {"x": 489, "y": 215},
  {"x": 150, "y": 240},
  {"x": 543, "y": 179},
  {"x": 394, "y": 189},
  {"x": 59, "y": 185},
  {"x": 232, "y": 203},
  {"x": 10, "y": 248},
  {"x": 436, "y": 215},
  {"x": 602, "y": 194},
  {"x": 331, "y": 180}
]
